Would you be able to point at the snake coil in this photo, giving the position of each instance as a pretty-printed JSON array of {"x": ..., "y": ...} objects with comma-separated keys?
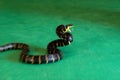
[{"x": 54, "y": 54}]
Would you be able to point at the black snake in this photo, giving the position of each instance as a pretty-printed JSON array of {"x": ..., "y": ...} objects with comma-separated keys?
[{"x": 54, "y": 54}]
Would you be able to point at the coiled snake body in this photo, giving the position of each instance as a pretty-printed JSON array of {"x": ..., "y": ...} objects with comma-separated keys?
[{"x": 53, "y": 55}]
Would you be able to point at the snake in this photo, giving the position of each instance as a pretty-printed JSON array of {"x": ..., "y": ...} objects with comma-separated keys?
[{"x": 54, "y": 54}]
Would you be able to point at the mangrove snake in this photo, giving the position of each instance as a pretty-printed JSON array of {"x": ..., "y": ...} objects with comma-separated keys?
[{"x": 53, "y": 55}]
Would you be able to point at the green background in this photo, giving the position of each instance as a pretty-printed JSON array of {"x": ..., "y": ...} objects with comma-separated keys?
[{"x": 94, "y": 54}]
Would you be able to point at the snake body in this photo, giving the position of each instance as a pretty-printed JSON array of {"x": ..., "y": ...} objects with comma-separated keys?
[{"x": 54, "y": 54}]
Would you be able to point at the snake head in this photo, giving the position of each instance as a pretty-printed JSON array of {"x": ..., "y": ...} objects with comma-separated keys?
[{"x": 68, "y": 27}]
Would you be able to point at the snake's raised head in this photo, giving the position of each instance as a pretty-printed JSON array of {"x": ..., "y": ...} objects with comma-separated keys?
[
  {"x": 63, "y": 28},
  {"x": 68, "y": 27}
]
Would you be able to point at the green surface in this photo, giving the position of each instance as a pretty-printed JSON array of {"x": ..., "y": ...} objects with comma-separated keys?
[{"x": 94, "y": 54}]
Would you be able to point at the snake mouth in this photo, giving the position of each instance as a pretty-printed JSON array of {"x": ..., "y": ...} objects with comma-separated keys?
[{"x": 68, "y": 27}]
